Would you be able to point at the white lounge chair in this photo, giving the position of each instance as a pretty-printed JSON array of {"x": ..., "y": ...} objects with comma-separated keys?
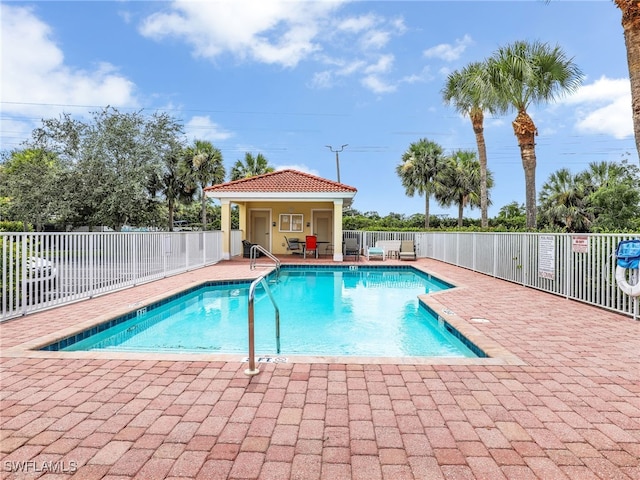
[{"x": 375, "y": 252}]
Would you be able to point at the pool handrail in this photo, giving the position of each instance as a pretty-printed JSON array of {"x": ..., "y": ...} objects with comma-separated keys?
[
  {"x": 252, "y": 370},
  {"x": 253, "y": 256}
]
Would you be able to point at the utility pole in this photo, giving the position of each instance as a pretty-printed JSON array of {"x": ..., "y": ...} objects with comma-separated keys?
[{"x": 337, "y": 157}]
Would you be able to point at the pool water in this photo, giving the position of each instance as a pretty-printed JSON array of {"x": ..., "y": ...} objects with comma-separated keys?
[{"x": 336, "y": 312}]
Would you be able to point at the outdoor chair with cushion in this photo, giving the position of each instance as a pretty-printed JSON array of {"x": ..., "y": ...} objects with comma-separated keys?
[
  {"x": 246, "y": 249},
  {"x": 293, "y": 245},
  {"x": 352, "y": 247},
  {"x": 376, "y": 251},
  {"x": 407, "y": 250}
]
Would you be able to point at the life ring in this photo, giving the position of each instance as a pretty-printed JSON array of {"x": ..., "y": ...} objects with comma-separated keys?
[{"x": 623, "y": 284}]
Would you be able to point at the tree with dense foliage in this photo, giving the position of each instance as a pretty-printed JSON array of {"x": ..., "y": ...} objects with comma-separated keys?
[
  {"x": 30, "y": 185},
  {"x": 206, "y": 168},
  {"x": 251, "y": 167},
  {"x": 631, "y": 25},
  {"x": 614, "y": 197},
  {"x": 472, "y": 94},
  {"x": 174, "y": 183},
  {"x": 531, "y": 73},
  {"x": 459, "y": 182},
  {"x": 604, "y": 197},
  {"x": 511, "y": 216},
  {"x": 418, "y": 169},
  {"x": 564, "y": 202},
  {"x": 113, "y": 163}
]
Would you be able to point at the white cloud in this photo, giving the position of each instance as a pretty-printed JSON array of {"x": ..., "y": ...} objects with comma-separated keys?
[
  {"x": 375, "y": 39},
  {"x": 448, "y": 52},
  {"x": 358, "y": 24},
  {"x": 272, "y": 32},
  {"x": 300, "y": 167},
  {"x": 424, "y": 76},
  {"x": 377, "y": 84},
  {"x": 36, "y": 81},
  {"x": 202, "y": 128},
  {"x": 383, "y": 65},
  {"x": 285, "y": 33},
  {"x": 323, "y": 79},
  {"x": 604, "y": 107}
]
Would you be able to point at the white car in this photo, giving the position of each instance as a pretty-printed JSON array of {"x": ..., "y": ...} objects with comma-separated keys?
[{"x": 41, "y": 279}]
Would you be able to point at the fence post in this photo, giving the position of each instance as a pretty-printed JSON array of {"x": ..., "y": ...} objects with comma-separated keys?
[
  {"x": 568, "y": 266},
  {"x": 204, "y": 248},
  {"x": 23, "y": 289}
]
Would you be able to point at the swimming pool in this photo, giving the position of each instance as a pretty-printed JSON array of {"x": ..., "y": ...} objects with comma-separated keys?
[{"x": 370, "y": 311}]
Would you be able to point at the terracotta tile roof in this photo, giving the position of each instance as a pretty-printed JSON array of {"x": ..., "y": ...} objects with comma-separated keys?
[{"x": 289, "y": 181}]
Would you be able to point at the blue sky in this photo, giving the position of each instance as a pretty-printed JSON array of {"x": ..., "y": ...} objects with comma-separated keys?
[{"x": 285, "y": 79}]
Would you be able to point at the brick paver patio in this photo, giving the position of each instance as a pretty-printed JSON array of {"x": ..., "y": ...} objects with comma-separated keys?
[{"x": 561, "y": 400}]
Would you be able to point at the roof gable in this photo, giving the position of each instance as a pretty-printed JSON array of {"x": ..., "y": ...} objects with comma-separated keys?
[{"x": 282, "y": 181}]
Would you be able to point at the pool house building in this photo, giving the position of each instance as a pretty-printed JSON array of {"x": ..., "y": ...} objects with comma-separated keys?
[{"x": 283, "y": 205}]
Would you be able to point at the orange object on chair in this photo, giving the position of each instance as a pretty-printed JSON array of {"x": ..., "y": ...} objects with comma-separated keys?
[{"x": 311, "y": 243}]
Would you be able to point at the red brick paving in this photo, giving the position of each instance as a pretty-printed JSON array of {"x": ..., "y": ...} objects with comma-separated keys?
[{"x": 562, "y": 400}]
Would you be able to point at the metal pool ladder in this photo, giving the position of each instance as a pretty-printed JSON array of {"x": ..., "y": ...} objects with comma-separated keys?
[
  {"x": 252, "y": 370},
  {"x": 253, "y": 257}
]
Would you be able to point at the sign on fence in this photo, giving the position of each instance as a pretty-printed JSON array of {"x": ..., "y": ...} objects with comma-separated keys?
[
  {"x": 547, "y": 257},
  {"x": 580, "y": 243}
]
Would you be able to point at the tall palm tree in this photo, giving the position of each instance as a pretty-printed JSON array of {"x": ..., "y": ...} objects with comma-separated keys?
[
  {"x": 472, "y": 94},
  {"x": 205, "y": 168},
  {"x": 251, "y": 167},
  {"x": 631, "y": 26},
  {"x": 459, "y": 183},
  {"x": 564, "y": 202},
  {"x": 174, "y": 183},
  {"x": 531, "y": 73},
  {"x": 418, "y": 169}
]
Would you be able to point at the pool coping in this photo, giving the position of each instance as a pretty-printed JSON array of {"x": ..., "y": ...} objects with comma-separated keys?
[{"x": 496, "y": 354}]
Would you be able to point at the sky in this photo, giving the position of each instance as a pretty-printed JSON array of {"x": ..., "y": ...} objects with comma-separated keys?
[{"x": 289, "y": 79}]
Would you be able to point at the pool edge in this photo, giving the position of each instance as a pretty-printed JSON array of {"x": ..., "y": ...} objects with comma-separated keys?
[{"x": 496, "y": 354}]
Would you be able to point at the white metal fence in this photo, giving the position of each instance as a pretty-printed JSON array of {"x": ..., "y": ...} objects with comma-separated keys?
[
  {"x": 42, "y": 270},
  {"x": 577, "y": 266}
]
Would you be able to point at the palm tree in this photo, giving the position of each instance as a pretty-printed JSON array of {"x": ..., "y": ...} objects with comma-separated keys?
[
  {"x": 564, "y": 202},
  {"x": 631, "y": 26},
  {"x": 205, "y": 168},
  {"x": 471, "y": 93},
  {"x": 531, "y": 73},
  {"x": 613, "y": 195},
  {"x": 602, "y": 174},
  {"x": 418, "y": 169},
  {"x": 251, "y": 167},
  {"x": 174, "y": 183},
  {"x": 459, "y": 183}
]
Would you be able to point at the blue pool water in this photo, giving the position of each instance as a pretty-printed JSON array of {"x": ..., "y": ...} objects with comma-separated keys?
[{"x": 336, "y": 312}]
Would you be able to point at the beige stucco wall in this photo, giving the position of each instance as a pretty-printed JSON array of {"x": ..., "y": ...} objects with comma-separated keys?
[{"x": 278, "y": 244}]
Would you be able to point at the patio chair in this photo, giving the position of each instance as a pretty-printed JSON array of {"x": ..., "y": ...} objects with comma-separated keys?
[
  {"x": 293, "y": 245},
  {"x": 310, "y": 245},
  {"x": 246, "y": 249},
  {"x": 352, "y": 247},
  {"x": 328, "y": 250},
  {"x": 376, "y": 251},
  {"x": 407, "y": 250}
]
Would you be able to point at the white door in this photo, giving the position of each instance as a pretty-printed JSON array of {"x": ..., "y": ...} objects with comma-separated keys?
[
  {"x": 260, "y": 228},
  {"x": 323, "y": 229}
]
